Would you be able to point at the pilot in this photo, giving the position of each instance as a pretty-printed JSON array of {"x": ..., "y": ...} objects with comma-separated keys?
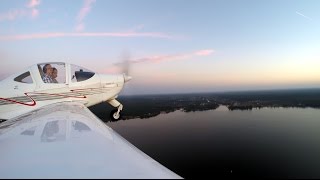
[
  {"x": 47, "y": 70},
  {"x": 54, "y": 75}
]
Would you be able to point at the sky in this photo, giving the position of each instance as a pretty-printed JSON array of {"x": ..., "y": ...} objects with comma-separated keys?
[{"x": 173, "y": 46}]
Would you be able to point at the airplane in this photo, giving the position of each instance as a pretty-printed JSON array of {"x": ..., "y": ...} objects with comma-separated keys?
[
  {"x": 25, "y": 91},
  {"x": 48, "y": 131}
]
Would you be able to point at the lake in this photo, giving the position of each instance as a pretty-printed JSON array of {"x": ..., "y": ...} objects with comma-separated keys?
[{"x": 267, "y": 142}]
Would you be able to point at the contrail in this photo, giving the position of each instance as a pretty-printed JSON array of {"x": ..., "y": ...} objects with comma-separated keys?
[{"x": 303, "y": 15}]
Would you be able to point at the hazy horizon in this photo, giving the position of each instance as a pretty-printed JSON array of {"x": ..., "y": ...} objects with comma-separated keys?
[
  {"x": 173, "y": 46},
  {"x": 224, "y": 91}
]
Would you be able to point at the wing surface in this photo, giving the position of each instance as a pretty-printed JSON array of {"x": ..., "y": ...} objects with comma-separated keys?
[{"x": 66, "y": 140}]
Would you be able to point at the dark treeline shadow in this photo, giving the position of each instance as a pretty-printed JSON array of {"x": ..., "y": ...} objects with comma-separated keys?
[{"x": 146, "y": 106}]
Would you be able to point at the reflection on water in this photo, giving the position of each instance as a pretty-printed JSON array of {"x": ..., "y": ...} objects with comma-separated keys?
[
  {"x": 267, "y": 142},
  {"x": 222, "y": 108}
]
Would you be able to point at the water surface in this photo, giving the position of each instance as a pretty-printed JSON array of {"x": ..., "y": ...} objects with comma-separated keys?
[{"x": 267, "y": 142}]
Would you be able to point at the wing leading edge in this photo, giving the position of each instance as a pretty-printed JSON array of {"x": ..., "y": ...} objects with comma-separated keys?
[{"x": 66, "y": 140}]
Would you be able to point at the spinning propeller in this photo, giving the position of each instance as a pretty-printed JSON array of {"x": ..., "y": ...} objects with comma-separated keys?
[{"x": 125, "y": 66}]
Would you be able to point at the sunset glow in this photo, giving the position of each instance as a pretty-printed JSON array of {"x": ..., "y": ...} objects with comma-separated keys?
[{"x": 173, "y": 46}]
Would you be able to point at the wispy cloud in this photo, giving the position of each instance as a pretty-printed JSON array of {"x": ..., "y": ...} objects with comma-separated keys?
[
  {"x": 117, "y": 67},
  {"x": 84, "y": 11},
  {"x": 303, "y": 15},
  {"x": 34, "y": 13},
  {"x": 33, "y": 3},
  {"x": 161, "y": 58},
  {"x": 204, "y": 52},
  {"x": 174, "y": 57},
  {"x": 29, "y": 10},
  {"x": 79, "y": 27},
  {"x": 12, "y": 15},
  {"x": 84, "y": 34}
]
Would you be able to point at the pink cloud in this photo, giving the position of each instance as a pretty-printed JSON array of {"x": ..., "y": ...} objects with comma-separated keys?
[
  {"x": 33, "y": 3},
  {"x": 116, "y": 68},
  {"x": 84, "y": 11},
  {"x": 87, "y": 34},
  {"x": 17, "y": 13},
  {"x": 31, "y": 36},
  {"x": 204, "y": 52},
  {"x": 161, "y": 58},
  {"x": 34, "y": 13},
  {"x": 12, "y": 15},
  {"x": 175, "y": 57},
  {"x": 80, "y": 27}
]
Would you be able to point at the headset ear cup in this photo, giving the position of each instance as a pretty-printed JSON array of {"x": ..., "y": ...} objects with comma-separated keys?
[{"x": 44, "y": 69}]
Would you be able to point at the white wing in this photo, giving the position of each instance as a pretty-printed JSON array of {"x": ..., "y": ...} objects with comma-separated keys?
[{"x": 65, "y": 140}]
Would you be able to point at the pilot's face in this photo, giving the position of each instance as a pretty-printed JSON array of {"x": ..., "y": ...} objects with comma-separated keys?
[
  {"x": 49, "y": 70},
  {"x": 54, "y": 73}
]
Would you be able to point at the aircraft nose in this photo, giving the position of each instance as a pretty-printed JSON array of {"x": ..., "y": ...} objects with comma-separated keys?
[{"x": 126, "y": 78}]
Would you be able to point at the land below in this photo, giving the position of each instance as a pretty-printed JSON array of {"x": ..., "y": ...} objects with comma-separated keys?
[{"x": 146, "y": 106}]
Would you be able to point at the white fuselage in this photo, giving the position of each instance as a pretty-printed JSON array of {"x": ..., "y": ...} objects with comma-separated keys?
[{"x": 17, "y": 98}]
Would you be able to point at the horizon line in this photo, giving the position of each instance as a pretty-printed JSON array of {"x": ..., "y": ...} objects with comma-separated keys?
[{"x": 227, "y": 91}]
